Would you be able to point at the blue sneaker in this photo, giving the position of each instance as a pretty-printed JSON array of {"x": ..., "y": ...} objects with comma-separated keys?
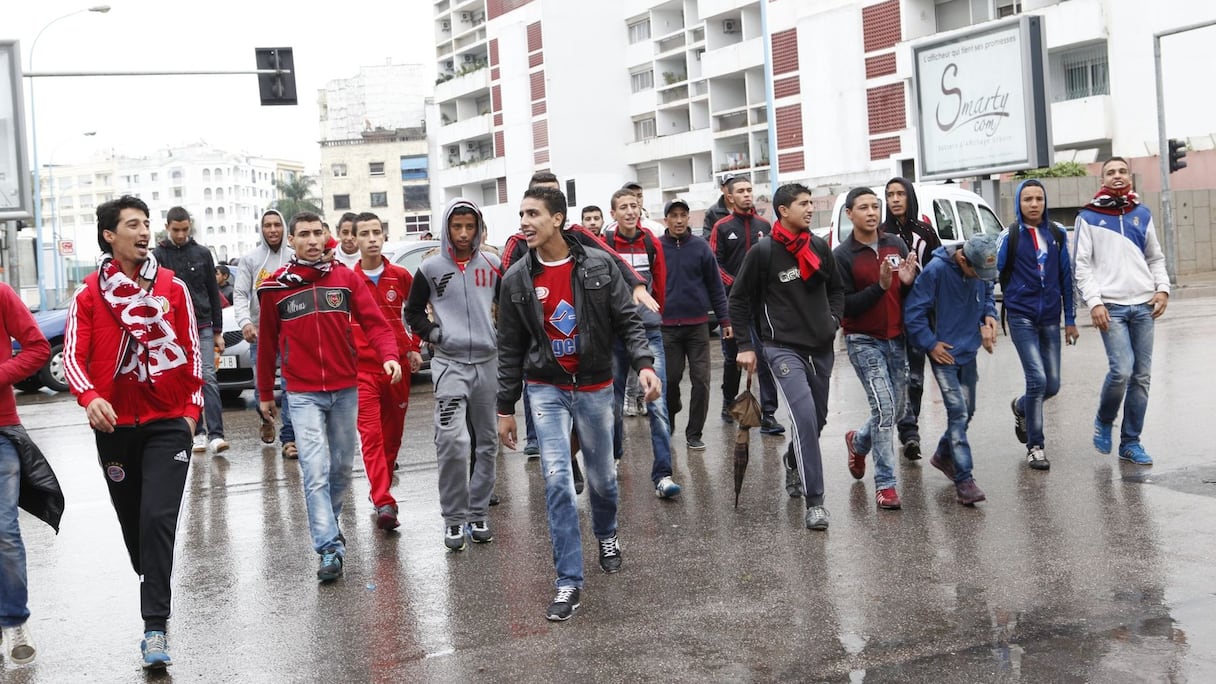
[
  {"x": 1136, "y": 454},
  {"x": 666, "y": 488},
  {"x": 330, "y": 568},
  {"x": 155, "y": 648},
  {"x": 1102, "y": 436}
]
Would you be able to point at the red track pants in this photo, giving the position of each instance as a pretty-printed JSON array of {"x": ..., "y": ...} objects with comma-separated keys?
[{"x": 381, "y": 422}]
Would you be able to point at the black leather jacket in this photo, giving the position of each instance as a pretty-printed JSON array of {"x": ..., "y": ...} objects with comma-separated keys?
[{"x": 604, "y": 310}]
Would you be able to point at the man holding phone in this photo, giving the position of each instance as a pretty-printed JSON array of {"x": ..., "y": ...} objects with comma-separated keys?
[{"x": 877, "y": 271}]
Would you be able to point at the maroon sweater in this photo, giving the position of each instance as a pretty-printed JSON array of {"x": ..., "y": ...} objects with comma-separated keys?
[{"x": 868, "y": 309}]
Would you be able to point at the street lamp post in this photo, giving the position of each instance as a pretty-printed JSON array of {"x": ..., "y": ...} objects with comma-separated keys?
[{"x": 39, "y": 245}]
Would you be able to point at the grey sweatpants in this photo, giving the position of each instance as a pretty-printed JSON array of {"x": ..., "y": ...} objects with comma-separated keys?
[
  {"x": 465, "y": 412},
  {"x": 803, "y": 382}
]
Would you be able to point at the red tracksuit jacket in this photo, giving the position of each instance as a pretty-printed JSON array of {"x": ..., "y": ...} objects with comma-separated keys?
[{"x": 389, "y": 294}]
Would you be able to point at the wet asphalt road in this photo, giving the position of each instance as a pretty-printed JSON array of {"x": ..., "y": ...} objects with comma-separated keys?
[{"x": 1096, "y": 571}]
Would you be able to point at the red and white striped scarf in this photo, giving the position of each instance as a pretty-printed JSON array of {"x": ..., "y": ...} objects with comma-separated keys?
[{"x": 150, "y": 346}]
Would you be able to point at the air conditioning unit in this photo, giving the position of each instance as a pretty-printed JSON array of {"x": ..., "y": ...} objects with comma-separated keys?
[
  {"x": 469, "y": 58},
  {"x": 445, "y": 25},
  {"x": 448, "y": 65},
  {"x": 453, "y": 149},
  {"x": 730, "y": 26},
  {"x": 466, "y": 17},
  {"x": 471, "y": 147}
]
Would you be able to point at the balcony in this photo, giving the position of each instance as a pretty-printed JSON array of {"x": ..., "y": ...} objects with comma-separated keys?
[
  {"x": 459, "y": 131},
  {"x": 668, "y": 146},
  {"x": 461, "y": 86},
  {"x": 732, "y": 58},
  {"x": 472, "y": 172},
  {"x": 1086, "y": 121}
]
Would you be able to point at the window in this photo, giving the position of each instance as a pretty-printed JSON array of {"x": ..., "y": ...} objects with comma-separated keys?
[
  {"x": 1008, "y": 8},
  {"x": 210, "y": 229},
  {"x": 413, "y": 168},
  {"x": 209, "y": 213},
  {"x": 641, "y": 80},
  {"x": 1079, "y": 72},
  {"x": 206, "y": 175},
  {"x": 945, "y": 219},
  {"x": 968, "y": 219},
  {"x": 952, "y": 14},
  {"x": 176, "y": 175},
  {"x": 219, "y": 213},
  {"x": 341, "y": 201},
  {"x": 339, "y": 170},
  {"x": 155, "y": 196},
  {"x": 644, "y": 129},
  {"x": 639, "y": 31},
  {"x": 417, "y": 224},
  {"x": 206, "y": 194},
  {"x": 135, "y": 179},
  {"x": 992, "y": 224},
  {"x": 375, "y": 168},
  {"x": 155, "y": 176},
  {"x": 416, "y": 197},
  {"x": 379, "y": 199}
]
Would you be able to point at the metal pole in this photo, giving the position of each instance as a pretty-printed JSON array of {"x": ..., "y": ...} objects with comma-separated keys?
[
  {"x": 55, "y": 230},
  {"x": 1163, "y": 149},
  {"x": 179, "y": 72},
  {"x": 769, "y": 97}
]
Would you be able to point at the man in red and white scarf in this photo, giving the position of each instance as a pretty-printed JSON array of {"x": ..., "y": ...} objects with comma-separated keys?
[
  {"x": 131, "y": 356},
  {"x": 307, "y": 311}
]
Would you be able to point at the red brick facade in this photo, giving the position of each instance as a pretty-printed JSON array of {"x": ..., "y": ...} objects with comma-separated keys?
[
  {"x": 535, "y": 41},
  {"x": 886, "y": 108},
  {"x": 882, "y": 65},
  {"x": 499, "y": 148},
  {"x": 791, "y": 161},
  {"x": 880, "y": 25},
  {"x": 881, "y": 148},
  {"x": 536, "y": 59},
  {"x": 494, "y": 52},
  {"x": 537, "y": 79},
  {"x": 497, "y": 8},
  {"x": 539, "y": 108},
  {"x": 540, "y": 134},
  {"x": 502, "y": 190},
  {"x": 787, "y": 87},
  {"x": 789, "y": 127},
  {"x": 785, "y": 51}
]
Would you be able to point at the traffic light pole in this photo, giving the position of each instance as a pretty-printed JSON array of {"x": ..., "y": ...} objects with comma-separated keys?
[{"x": 1167, "y": 206}]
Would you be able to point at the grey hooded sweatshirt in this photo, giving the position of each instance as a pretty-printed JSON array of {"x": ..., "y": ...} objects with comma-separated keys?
[
  {"x": 461, "y": 299},
  {"x": 255, "y": 267}
]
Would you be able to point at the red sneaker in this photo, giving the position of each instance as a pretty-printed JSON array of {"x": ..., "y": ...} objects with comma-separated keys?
[
  {"x": 887, "y": 499},
  {"x": 857, "y": 462}
]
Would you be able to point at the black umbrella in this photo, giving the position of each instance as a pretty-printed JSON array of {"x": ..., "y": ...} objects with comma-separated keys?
[{"x": 746, "y": 411}]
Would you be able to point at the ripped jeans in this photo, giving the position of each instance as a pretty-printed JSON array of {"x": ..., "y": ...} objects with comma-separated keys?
[{"x": 882, "y": 367}]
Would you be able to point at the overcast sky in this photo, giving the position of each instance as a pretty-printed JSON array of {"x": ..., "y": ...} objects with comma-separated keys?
[{"x": 137, "y": 114}]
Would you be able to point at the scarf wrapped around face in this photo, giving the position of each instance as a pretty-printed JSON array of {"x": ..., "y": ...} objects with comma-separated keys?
[
  {"x": 800, "y": 247},
  {"x": 296, "y": 274},
  {"x": 151, "y": 346},
  {"x": 1114, "y": 202}
]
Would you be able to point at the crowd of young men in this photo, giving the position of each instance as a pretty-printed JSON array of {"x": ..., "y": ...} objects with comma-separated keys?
[{"x": 577, "y": 309}]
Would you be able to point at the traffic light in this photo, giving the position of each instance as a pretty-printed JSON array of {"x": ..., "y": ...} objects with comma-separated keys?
[
  {"x": 1177, "y": 152},
  {"x": 278, "y": 88}
]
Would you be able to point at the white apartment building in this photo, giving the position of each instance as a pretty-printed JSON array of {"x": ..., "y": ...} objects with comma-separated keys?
[
  {"x": 225, "y": 193},
  {"x": 673, "y": 93},
  {"x": 373, "y": 146}
]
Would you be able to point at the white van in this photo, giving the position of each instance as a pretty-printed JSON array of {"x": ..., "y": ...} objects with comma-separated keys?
[{"x": 956, "y": 214}]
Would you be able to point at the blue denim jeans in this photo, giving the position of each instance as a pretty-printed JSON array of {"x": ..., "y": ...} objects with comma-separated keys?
[
  {"x": 14, "y": 589},
  {"x": 883, "y": 371},
  {"x": 1039, "y": 349},
  {"x": 909, "y": 427},
  {"x": 212, "y": 424},
  {"x": 660, "y": 424},
  {"x": 327, "y": 429},
  {"x": 1129, "y": 349},
  {"x": 553, "y": 412},
  {"x": 286, "y": 432},
  {"x": 957, "y": 384}
]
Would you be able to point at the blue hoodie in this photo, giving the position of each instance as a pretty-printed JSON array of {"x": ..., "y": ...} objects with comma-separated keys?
[
  {"x": 1037, "y": 291},
  {"x": 958, "y": 303}
]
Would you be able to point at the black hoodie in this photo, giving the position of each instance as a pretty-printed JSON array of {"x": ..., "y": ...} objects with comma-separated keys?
[
  {"x": 919, "y": 236},
  {"x": 192, "y": 264}
]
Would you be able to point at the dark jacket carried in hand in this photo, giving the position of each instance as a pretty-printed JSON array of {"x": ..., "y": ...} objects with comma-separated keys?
[
  {"x": 604, "y": 310},
  {"x": 40, "y": 494},
  {"x": 918, "y": 236},
  {"x": 193, "y": 265},
  {"x": 787, "y": 311}
]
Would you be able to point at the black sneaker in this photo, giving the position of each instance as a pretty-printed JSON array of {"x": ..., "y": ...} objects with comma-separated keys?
[
  {"x": 912, "y": 450},
  {"x": 793, "y": 480},
  {"x": 330, "y": 568},
  {"x": 610, "y": 555},
  {"x": 480, "y": 532},
  {"x": 579, "y": 482},
  {"x": 453, "y": 537},
  {"x": 696, "y": 444},
  {"x": 1036, "y": 459},
  {"x": 770, "y": 426},
  {"x": 494, "y": 500},
  {"x": 726, "y": 416},
  {"x": 564, "y": 604},
  {"x": 1019, "y": 422}
]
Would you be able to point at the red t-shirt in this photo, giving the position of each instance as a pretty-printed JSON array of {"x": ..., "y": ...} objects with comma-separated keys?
[{"x": 556, "y": 295}]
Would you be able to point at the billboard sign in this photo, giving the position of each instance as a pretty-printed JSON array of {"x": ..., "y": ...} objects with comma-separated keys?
[
  {"x": 14, "y": 169},
  {"x": 981, "y": 99}
]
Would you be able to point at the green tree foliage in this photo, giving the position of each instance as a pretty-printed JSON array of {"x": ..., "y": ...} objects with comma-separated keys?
[
  {"x": 295, "y": 195},
  {"x": 1060, "y": 170}
]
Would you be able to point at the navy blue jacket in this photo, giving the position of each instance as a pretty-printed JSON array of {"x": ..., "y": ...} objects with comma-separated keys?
[
  {"x": 693, "y": 282},
  {"x": 1039, "y": 297},
  {"x": 959, "y": 303}
]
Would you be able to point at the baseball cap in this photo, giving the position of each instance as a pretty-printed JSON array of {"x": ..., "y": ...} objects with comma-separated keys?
[
  {"x": 673, "y": 204},
  {"x": 631, "y": 185},
  {"x": 980, "y": 251},
  {"x": 727, "y": 177}
]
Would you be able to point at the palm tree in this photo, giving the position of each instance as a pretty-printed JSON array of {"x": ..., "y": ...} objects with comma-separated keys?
[{"x": 295, "y": 195}]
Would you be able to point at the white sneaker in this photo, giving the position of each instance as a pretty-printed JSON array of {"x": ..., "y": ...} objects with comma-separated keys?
[
  {"x": 218, "y": 445},
  {"x": 200, "y": 443},
  {"x": 631, "y": 407},
  {"x": 19, "y": 643},
  {"x": 666, "y": 488}
]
